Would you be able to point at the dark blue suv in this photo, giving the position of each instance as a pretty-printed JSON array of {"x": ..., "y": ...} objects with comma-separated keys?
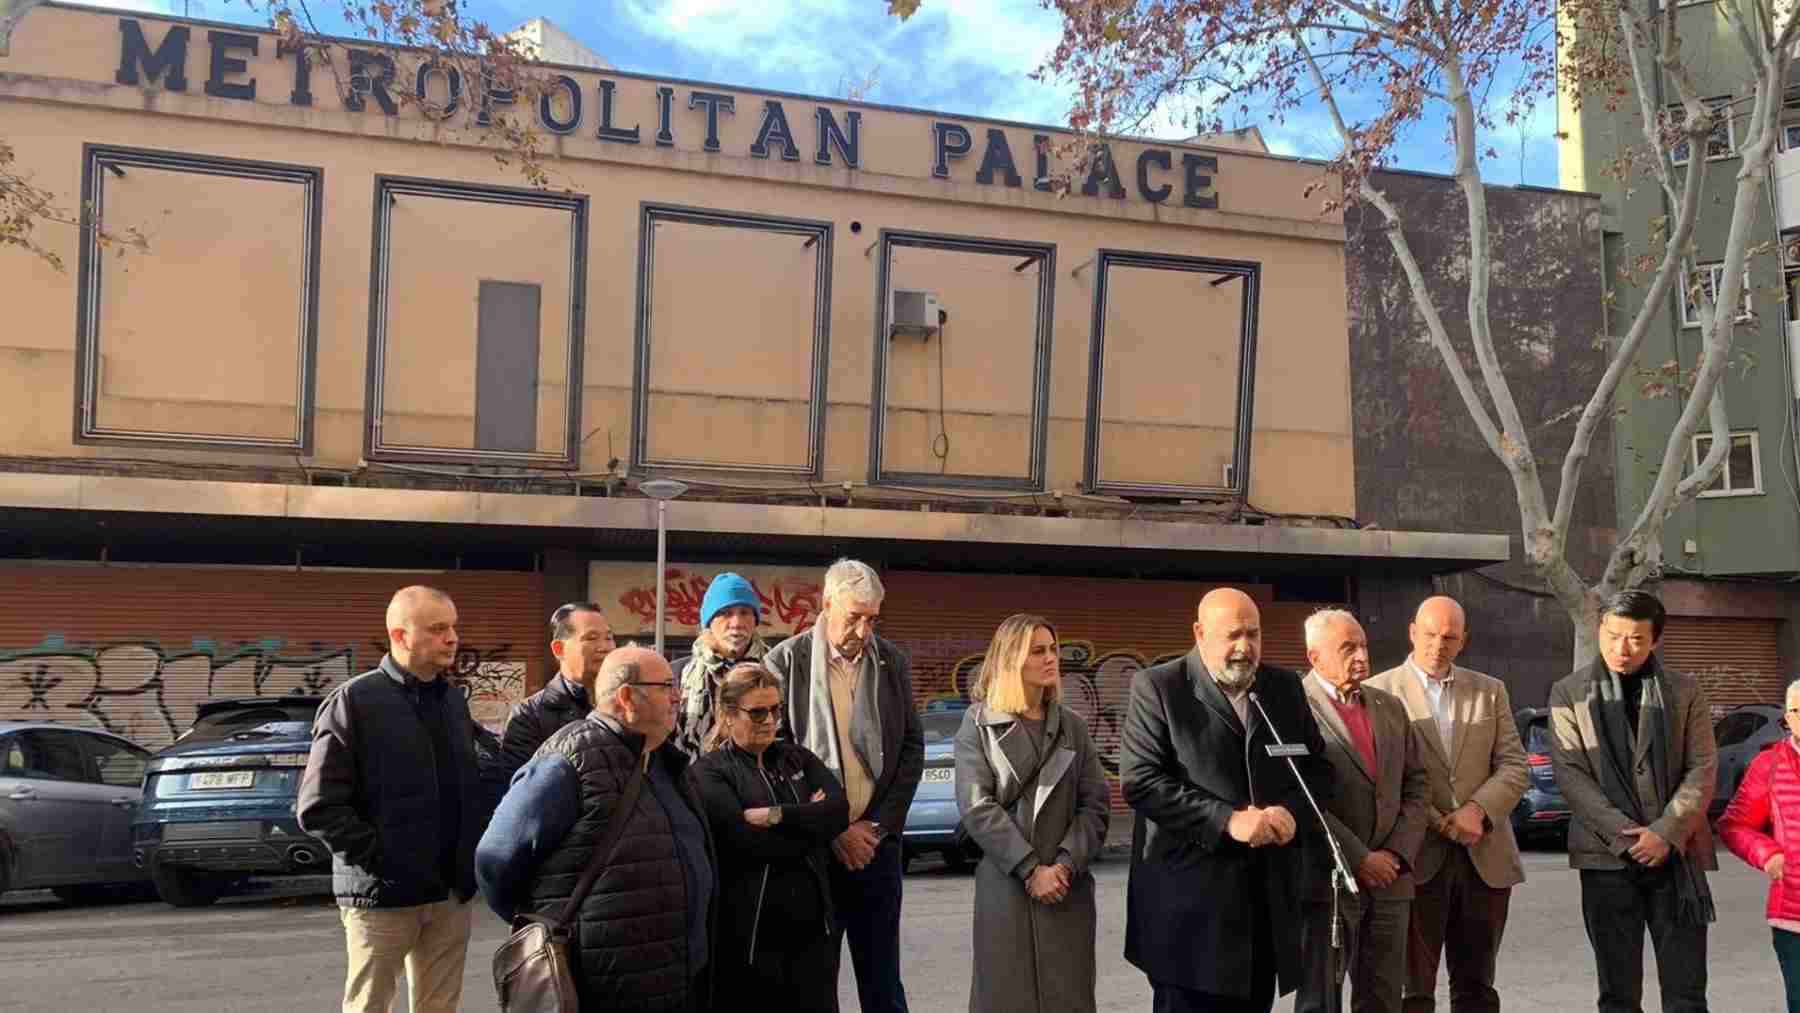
[
  {"x": 1542, "y": 813},
  {"x": 218, "y": 804}
]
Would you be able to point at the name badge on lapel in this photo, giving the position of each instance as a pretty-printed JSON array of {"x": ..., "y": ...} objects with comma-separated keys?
[{"x": 1279, "y": 750}]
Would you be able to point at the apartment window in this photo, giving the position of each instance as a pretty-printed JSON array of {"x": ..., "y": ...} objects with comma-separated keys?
[
  {"x": 1722, "y": 143},
  {"x": 962, "y": 361},
  {"x": 1172, "y": 376},
  {"x": 166, "y": 354},
  {"x": 1742, "y": 473},
  {"x": 1711, "y": 276},
  {"x": 1789, "y": 137},
  {"x": 475, "y": 324},
  {"x": 733, "y": 329}
]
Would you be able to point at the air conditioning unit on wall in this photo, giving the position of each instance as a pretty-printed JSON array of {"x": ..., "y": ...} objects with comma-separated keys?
[{"x": 913, "y": 312}]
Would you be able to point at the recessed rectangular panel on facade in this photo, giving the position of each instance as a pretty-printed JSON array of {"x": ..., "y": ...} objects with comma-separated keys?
[
  {"x": 732, "y": 323},
  {"x": 1172, "y": 374},
  {"x": 204, "y": 337},
  {"x": 962, "y": 360},
  {"x": 960, "y": 396},
  {"x": 475, "y": 323}
]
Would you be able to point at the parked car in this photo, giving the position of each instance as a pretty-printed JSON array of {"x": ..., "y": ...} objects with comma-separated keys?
[
  {"x": 1741, "y": 734},
  {"x": 1542, "y": 813},
  {"x": 66, "y": 796},
  {"x": 218, "y": 804},
  {"x": 931, "y": 822}
]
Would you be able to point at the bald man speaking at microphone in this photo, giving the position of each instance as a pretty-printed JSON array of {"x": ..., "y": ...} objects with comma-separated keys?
[{"x": 1213, "y": 911}]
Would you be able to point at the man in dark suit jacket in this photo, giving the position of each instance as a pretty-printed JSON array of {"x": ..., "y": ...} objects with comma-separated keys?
[
  {"x": 1212, "y": 915},
  {"x": 1383, "y": 797}
]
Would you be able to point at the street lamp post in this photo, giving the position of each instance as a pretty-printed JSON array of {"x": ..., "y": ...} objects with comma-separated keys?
[{"x": 662, "y": 490}]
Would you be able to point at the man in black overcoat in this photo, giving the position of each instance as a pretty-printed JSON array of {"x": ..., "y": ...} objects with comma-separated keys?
[{"x": 1212, "y": 912}]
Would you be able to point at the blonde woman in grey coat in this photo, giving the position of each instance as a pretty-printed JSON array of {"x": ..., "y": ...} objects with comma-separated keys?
[{"x": 1034, "y": 797}]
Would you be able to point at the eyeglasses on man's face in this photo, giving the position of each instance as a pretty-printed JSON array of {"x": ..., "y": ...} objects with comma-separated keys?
[
  {"x": 760, "y": 715},
  {"x": 669, "y": 685}
]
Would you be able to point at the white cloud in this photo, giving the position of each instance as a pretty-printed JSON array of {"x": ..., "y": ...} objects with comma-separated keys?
[
  {"x": 196, "y": 8},
  {"x": 815, "y": 45}
]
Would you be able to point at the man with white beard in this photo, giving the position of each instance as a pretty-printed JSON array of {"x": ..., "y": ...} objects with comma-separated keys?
[{"x": 1212, "y": 913}]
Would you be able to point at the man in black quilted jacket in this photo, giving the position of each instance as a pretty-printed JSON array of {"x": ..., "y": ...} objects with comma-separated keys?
[
  {"x": 390, "y": 786},
  {"x": 642, "y": 937},
  {"x": 580, "y": 638}
]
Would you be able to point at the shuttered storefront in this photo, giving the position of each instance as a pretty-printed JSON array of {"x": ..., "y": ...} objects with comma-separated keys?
[
  {"x": 1737, "y": 660},
  {"x": 1109, "y": 630},
  {"x": 136, "y": 648}
]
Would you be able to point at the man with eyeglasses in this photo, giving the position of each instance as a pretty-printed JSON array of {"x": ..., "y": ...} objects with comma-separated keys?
[
  {"x": 643, "y": 940},
  {"x": 848, "y": 697}
]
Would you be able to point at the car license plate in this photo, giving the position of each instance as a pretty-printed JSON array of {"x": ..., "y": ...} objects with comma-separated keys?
[
  {"x": 939, "y": 775},
  {"x": 222, "y": 779}
]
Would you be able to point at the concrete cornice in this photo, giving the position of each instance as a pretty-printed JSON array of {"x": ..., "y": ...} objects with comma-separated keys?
[{"x": 246, "y": 500}]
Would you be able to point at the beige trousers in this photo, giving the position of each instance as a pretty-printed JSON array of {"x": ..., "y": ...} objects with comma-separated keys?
[{"x": 431, "y": 941}]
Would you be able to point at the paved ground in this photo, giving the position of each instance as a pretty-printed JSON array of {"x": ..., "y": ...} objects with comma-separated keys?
[{"x": 281, "y": 950}]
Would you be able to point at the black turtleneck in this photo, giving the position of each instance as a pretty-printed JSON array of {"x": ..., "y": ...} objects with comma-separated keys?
[{"x": 1632, "y": 686}]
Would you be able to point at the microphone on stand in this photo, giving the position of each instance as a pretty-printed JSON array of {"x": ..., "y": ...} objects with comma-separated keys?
[{"x": 1341, "y": 877}]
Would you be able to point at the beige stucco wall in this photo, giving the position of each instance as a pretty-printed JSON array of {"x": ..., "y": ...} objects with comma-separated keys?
[{"x": 732, "y": 311}]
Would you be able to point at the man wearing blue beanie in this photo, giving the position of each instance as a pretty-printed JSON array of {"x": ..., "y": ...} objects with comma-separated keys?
[{"x": 728, "y": 618}]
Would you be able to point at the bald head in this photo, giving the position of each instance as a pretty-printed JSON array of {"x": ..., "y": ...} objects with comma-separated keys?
[
  {"x": 1439, "y": 632},
  {"x": 421, "y": 625},
  {"x": 1228, "y": 634},
  {"x": 636, "y": 687}
]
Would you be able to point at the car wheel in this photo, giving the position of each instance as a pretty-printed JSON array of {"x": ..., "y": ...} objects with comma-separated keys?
[
  {"x": 181, "y": 886},
  {"x": 6, "y": 866},
  {"x": 957, "y": 860}
]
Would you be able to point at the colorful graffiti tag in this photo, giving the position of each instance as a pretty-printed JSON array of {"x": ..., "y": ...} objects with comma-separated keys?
[
  {"x": 149, "y": 692},
  {"x": 791, "y": 597}
]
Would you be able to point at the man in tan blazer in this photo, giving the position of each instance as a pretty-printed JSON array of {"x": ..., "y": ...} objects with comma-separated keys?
[
  {"x": 1469, "y": 862},
  {"x": 1634, "y": 754},
  {"x": 1377, "y": 812}
]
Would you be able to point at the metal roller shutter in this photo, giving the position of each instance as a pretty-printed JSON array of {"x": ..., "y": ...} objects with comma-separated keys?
[
  {"x": 136, "y": 648},
  {"x": 1737, "y": 660},
  {"x": 1109, "y": 630}
]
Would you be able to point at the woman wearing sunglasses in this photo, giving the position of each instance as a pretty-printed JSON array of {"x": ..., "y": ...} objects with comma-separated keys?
[{"x": 774, "y": 810}]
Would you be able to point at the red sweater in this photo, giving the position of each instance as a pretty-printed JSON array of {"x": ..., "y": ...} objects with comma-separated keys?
[{"x": 1763, "y": 820}]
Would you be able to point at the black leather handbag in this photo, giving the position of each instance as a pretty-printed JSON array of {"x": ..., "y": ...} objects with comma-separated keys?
[{"x": 532, "y": 973}]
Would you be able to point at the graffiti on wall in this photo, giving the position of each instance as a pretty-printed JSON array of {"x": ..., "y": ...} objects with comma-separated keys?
[
  {"x": 791, "y": 596},
  {"x": 149, "y": 692},
  {"x": 1096, "y": 684}
]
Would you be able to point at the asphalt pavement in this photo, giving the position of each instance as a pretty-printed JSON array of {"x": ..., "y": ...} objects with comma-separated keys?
[{"x": 280, "y": 949}]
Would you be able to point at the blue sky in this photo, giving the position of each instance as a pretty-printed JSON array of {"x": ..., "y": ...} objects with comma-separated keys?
[{"x": 972, "y": 57}]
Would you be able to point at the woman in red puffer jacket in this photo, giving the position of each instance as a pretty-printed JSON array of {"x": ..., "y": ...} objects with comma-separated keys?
[{"x": 1762, "y": 827}]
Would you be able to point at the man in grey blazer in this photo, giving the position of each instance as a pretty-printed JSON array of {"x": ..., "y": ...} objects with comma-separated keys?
[
  {"x": 1469, "y": 862},
  {"x": 1377, "y": 812}
]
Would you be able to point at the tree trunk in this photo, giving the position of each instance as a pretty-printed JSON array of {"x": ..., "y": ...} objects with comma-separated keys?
[{"x": 1587, "y": 638}]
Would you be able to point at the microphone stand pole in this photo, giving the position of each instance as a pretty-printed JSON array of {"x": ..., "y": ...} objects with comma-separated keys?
[{"x": 1341, "y": 878}]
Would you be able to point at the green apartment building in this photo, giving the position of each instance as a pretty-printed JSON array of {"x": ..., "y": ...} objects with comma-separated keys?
[{"x": 1731, "y": 558}]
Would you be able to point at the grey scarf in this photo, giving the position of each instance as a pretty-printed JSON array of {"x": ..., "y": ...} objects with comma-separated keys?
[
  {"x": 1606, "y": 701},
  {"x": 865, "y": 718},
  {"x": 699, "y": 682}
]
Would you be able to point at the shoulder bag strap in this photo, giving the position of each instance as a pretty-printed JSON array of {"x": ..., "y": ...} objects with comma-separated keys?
[{"x": 609, "y": 843}]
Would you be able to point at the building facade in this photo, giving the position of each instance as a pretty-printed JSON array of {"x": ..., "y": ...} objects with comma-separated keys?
[
  {"x": 1730, "y": 556},
  {"x": 359, "y": 353}
]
